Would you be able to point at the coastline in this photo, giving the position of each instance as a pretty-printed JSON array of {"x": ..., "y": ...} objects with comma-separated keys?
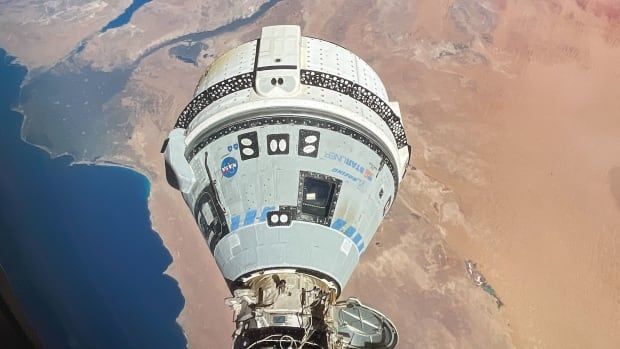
[
  {"x": 72, "y": 162},
  {"x": 109, "y": 160},
  {"x": 64, "y": 234},
  {"x": 234, "y": 24},
  {"x": 203, "y": 287},
  {"x": 510, "y": 178},
  {"x": 193, "y": 282}
]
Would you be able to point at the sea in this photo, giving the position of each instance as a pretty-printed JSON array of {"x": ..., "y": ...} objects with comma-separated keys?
[
  {"x": 76, "y": 240},
  {"x": 77, "y": 245}
]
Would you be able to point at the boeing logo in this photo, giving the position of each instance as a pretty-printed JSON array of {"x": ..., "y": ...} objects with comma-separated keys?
[{"x": 351, "y": 163}]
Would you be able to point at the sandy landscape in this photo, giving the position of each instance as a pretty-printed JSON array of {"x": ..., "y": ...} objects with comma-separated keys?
[
  {"x": 42, "y": 33},
  {"x": 512, "y": 110}
]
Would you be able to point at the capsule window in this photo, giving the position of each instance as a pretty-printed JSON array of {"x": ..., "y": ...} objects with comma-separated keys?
[
  {"x": 279, "y": 218},
  {"x": 248, "y": 145},
  {"x": 277, "y": 144},
  {"x": 308, "y": 143},
  {"x": 210, "y": 217},
  {"x": 317, "y": 196}
]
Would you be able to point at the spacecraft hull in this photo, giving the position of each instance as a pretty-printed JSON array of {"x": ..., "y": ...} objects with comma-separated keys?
[{"x": 289, "y": 156}]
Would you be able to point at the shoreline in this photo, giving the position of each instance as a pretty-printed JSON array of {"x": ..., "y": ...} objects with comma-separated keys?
[
  {"x": 235, "y": 22},
  {"x": 67, "y": 241},
  {"x": 73, "y": 162}
]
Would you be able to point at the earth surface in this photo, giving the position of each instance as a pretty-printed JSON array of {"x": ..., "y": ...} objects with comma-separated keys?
[{"x": 512, "y": 108}]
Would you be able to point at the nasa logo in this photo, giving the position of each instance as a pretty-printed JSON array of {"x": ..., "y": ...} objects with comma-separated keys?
[{"x": 229, "y": 167}]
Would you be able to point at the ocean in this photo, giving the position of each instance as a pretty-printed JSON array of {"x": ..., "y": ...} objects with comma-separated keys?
[{"x": 77, "y": 244}]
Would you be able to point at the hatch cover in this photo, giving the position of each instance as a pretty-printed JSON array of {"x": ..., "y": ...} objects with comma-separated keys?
[{"x": 363, "y": 327}]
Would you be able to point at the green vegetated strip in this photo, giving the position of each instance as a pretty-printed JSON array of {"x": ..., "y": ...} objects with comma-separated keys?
[{"x": 75, "y": 109}]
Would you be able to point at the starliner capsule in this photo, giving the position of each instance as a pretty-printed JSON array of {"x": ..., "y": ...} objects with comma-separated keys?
[{"x": 289, "y": 156}]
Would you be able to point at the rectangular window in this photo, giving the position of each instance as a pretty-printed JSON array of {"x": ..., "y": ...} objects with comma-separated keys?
[{"x": 317, "y": 196}]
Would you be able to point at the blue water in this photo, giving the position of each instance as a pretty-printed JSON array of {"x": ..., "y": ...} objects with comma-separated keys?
[
  {"x": 77, "y": 245},
  {"x": 124, "y": 17}
]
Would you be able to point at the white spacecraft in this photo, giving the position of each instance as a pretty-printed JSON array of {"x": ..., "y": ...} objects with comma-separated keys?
[{"x": 289, "y": 156}]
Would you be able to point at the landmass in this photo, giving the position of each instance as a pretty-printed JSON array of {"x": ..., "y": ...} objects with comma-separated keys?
[
  {"x": 41, "y": 33},
  {"x": 511, "y": 108}
]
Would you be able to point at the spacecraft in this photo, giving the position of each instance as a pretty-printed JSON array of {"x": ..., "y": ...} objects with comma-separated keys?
[{"x": 289, "y": 156}]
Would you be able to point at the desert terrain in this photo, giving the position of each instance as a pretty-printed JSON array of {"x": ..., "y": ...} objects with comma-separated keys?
[{"x": 512, "y": 110}]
